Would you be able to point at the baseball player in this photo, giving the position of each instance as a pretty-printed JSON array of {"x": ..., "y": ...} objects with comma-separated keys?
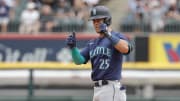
[{"x": 105, "y": 54}]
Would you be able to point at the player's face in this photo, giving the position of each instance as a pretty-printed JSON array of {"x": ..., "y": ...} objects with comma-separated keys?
[{"x": 97, "y": 23}]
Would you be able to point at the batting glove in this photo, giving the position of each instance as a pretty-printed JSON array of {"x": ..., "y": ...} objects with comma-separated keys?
[
  {"x": 71, "y": 40},
  {"x": 103, "y": 29}
]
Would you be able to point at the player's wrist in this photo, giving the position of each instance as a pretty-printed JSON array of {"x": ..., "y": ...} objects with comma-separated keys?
[
  {"x": 71, "y": 47},
  {"x": 114, "y": 39},
  {"x": 74, "y": 48},
  {"x": 108, "y": 34},
  {"x": 71, "y": 40}
]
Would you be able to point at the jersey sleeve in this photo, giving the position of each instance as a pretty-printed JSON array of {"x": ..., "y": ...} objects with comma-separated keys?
[{"x": 122, "y": 36}]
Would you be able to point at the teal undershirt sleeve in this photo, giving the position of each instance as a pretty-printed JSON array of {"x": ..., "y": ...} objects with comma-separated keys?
[{"x": 77, "y": 57}]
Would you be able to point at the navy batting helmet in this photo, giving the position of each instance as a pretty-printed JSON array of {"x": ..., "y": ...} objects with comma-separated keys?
[{"x": 98, "y": 12}]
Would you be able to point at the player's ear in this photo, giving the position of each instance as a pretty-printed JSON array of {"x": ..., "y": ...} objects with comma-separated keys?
[{"x": 107, "y": 21}]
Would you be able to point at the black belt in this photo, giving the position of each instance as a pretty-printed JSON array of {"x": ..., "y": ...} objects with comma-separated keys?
[{"x": 101, "y": 83}]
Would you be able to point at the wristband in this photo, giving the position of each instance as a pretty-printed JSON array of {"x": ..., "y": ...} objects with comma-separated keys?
[{"x": 114, "y": 39}]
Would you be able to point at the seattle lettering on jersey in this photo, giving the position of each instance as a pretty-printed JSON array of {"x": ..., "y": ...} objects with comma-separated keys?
[{"x": 100, "y": 51}]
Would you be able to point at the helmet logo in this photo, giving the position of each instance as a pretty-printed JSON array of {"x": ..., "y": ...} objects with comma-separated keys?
[{"x": 94, "y": 11}]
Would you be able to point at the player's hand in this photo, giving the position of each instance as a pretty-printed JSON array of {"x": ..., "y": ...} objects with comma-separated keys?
[
  {"x": 104, "y": 29},
  {"x": 71, "y": 40}
]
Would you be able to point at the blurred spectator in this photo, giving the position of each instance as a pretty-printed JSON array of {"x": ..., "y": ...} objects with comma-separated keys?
[
  {"x": 51, "y": 3},
  {"x": 137, "y": 10},
  {"x": 92, "y": 2},
  {"x": 4, "y": 15},
  {"x": 37, "y": 2},
  {"x": 82, "y": 8},
  {"x": 12, "y": 5},
  {"x": 150, "y": 12},
  {"x": 82, "y": 12},
  {"x": 156, "y": 16},
  {"x": 64, "y": 10},
  {"x": 47, "y": 18},
  {"x": 68, "y": 16},
  {"x": 29, "y": 20},
  {"x": 172, "y": 12}
]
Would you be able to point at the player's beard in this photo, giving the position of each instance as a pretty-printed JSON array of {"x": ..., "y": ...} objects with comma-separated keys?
[{"x": 98, "y": 31}]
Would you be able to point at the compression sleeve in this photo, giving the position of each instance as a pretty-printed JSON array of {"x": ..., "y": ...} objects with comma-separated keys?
[{"x": 77, "y": 57}]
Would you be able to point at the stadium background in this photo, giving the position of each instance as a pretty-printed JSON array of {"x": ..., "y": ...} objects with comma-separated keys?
[{"x": 37, "y": 66}]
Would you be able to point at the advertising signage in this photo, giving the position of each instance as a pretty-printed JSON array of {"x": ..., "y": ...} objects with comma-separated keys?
[{"x": 36, "y": 49}]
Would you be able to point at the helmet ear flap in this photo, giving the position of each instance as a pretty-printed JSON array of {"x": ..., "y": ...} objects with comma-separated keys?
[{"x": 107, "y": 21}]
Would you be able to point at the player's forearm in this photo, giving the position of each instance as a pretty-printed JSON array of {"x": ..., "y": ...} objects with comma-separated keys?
[
  {"x": 77, "y": 57},
  {"x": 120, "y": 44}
]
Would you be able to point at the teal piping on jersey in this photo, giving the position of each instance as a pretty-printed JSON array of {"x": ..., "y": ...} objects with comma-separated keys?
[{"x": 77, "y": 57}]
